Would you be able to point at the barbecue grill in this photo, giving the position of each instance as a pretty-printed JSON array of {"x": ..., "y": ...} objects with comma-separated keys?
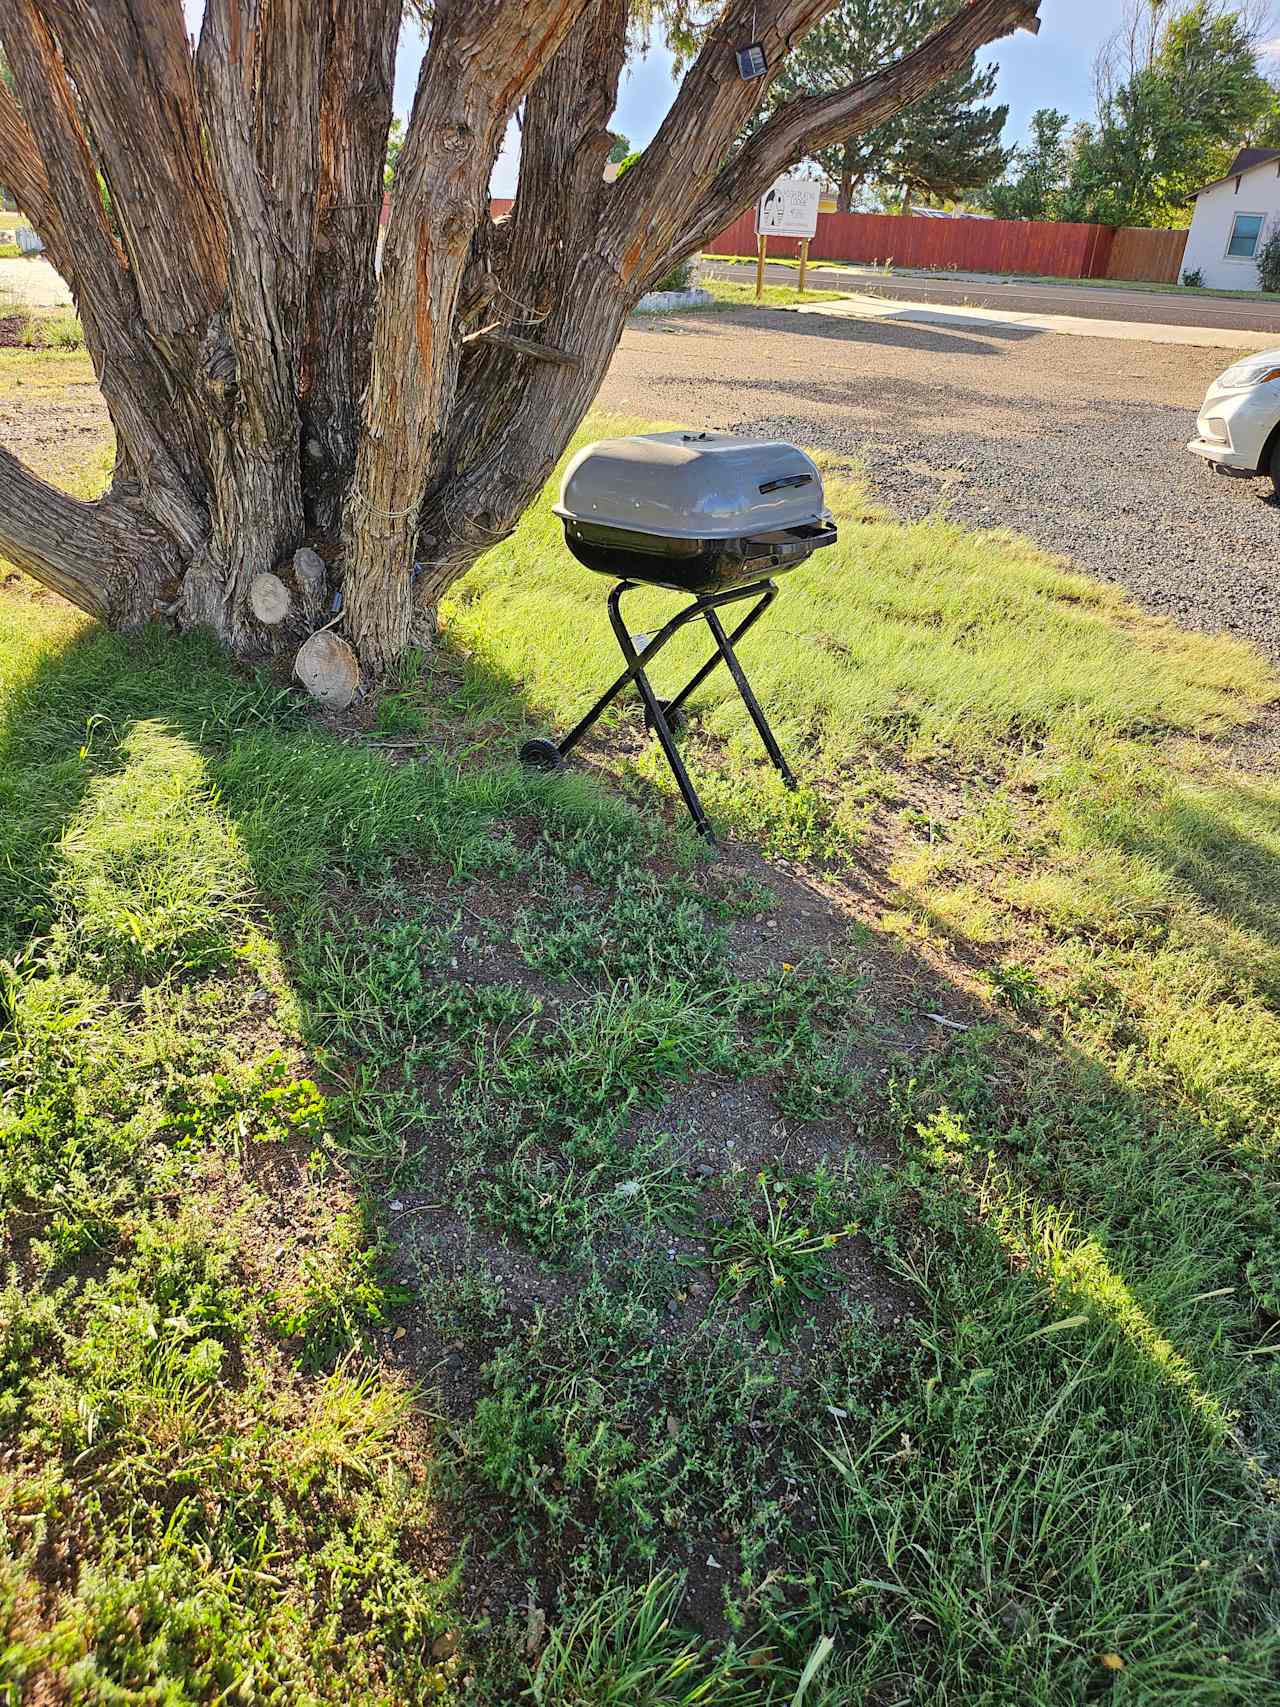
[{"x": 701, "y": 513}]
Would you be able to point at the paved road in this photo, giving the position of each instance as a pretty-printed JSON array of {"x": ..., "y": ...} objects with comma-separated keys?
[
  {"x": 1102, "y": 302},
  {"x": 1077, "y": 442}
]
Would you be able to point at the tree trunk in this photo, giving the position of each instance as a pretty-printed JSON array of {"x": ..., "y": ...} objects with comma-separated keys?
[
  {"x": 266, "y": 390},
  {"x": 844, "y": 199}
]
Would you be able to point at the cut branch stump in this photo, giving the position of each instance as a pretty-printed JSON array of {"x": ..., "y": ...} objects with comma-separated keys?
[
  {"x": 270, "y": 599},
  {"x": 312, "y": 576}
]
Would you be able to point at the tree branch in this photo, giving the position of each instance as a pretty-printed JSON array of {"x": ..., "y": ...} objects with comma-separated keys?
[
  {"x": 355, "y": 115},
  {"x": 134, "y": 82},
  {"x": 258, "y": 67},
  {"x": 51, "y": 119},
  {"x": 535, "y": 284},
  {"x": 815, "y": 121},
  {"x": 504, "y": 340},
  {"x": 481, "y": 59},
  {"x": 696, "y": 182},
  {"x": 129, "y": 370},
  {"x": 102, "y": 557},
  {"x": 258, "y": 70},
  {"x": 23, "y": 173}
]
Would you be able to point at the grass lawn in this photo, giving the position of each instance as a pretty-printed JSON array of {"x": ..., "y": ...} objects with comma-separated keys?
[
  {"x": 730, "y": 293},
  {"x": 464, "y": 1243}
]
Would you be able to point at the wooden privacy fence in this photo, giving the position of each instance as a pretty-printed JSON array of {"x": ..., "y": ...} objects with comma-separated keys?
[
  {"x": 1154, "y": 257},
  {"x": 975, "y": 245}
]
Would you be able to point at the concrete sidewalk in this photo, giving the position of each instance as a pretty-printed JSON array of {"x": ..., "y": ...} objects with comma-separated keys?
[
  {"x": 857, "y": 307},
  {"x": 32, "y": 283}
]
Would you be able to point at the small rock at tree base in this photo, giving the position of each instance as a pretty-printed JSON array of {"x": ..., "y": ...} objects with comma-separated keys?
[
  {"x": 328, "y": 669},
  {"x": 269, "y": 598}
]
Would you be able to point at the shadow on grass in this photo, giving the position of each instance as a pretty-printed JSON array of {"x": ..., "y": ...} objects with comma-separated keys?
[{"x": 1036, "y": 1380}]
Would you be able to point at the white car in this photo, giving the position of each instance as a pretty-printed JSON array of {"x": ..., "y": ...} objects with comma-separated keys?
[{"x": 1239, "y": 426}]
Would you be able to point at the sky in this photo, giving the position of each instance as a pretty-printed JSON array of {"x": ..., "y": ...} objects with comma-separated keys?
[{"x": 1053, "y": 69}]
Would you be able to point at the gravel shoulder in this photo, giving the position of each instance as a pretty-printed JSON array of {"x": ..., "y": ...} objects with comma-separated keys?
[{"x": 1078, "y": 443}]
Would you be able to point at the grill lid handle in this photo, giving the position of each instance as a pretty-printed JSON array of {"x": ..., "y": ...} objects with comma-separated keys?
[{"x": 786, "y": 480}]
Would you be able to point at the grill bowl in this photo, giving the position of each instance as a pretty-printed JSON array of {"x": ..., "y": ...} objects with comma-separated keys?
[
  {"x": 695, "y": 512},
  {"x": 693, "y": 565}
]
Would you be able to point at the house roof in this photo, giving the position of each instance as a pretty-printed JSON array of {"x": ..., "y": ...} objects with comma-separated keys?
[{"x": 1245, "y": 161}]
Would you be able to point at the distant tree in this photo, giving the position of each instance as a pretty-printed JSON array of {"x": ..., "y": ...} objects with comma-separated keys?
[
  {"x": 395, "y": 142},
  {"x": 1265, "y": 132},
  {"x": 1194, "y": 93},
  {"x": 942, "y": 148},
  {"x": 621, "y": 147},
  {"x": 949, "y": 145},
  {"x": 1038, "y": 171}
]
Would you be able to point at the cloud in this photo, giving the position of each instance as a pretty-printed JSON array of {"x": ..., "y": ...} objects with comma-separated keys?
[{"x": 1270, "y": 49}]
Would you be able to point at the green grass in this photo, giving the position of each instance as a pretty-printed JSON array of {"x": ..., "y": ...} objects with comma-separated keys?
[
  {"x": 399, "y": 1156},
  {"x": 41, "y": 329},
  {"x": 940, "y": 638},
  {"x": 729, "y": 293}
]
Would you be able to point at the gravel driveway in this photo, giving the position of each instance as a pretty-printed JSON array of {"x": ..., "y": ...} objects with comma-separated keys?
[{"x": 1077, "y": 442}]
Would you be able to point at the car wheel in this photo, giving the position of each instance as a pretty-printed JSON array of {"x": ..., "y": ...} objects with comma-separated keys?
[{"x": 1275, "y": 465}]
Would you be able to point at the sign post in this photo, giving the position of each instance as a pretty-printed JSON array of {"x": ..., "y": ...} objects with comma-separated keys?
[{"x": 788, "y": 208}]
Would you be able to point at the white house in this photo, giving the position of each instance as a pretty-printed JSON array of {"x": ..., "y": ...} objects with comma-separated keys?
[{"x": 1232, "y": 217}]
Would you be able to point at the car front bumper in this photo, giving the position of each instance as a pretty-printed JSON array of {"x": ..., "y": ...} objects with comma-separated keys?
[{"x": 1234, "y": 426}]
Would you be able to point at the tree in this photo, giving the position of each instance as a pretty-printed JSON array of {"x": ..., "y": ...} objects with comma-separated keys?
[
  {"x": 266, "y": 388},
  {"x": 395, "y": 142},
  {"x": 1177, "y": 97},
  {"x": 946, "y": 144},
  {"x": 1038, "y": 171}
]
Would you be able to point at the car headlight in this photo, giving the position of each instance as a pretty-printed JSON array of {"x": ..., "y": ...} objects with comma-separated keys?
[{"x": 1245, "y": 375}]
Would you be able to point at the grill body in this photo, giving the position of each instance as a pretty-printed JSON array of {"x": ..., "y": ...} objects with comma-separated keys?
[
  {"x": 696, "y": 512},
  {"x": 706, "y": 514}
]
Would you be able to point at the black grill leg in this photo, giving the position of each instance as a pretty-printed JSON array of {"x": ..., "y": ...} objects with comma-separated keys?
[
  {"x": 749, "y": 699},
  {"x": 661, "y": 727}
]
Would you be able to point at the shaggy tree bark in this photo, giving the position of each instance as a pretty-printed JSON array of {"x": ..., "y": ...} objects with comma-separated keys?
[{"x": 215, "y": 212}]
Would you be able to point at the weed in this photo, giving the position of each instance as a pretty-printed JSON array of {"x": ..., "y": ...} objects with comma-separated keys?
[
  {"x": 623, "y": 1647},
  {"x": 775, "y": 1258},
  {"x": 1017, "y": 987}
]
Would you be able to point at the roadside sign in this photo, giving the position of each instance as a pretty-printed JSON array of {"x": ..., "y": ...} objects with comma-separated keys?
[{"x": 789, "y": 208}]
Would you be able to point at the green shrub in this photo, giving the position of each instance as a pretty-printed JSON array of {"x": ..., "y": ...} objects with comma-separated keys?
[
  {"x": 61, "y": 332},
  {"x": 679, "y": 278},
  {"x": 1193, "y": 278},
  {"x": 1269, "y": 258}
]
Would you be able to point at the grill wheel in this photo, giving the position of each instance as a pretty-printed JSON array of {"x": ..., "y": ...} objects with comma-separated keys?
[
  {"x": 541, "y": 755},
  {"x": 677, "y": 722}
]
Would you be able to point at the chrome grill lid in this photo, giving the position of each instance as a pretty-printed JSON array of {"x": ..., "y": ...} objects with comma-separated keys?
[{"x": 692, "y": 486}]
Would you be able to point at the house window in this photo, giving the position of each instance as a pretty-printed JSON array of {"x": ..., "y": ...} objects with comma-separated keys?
[{"x": 1246, "y": 229}]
